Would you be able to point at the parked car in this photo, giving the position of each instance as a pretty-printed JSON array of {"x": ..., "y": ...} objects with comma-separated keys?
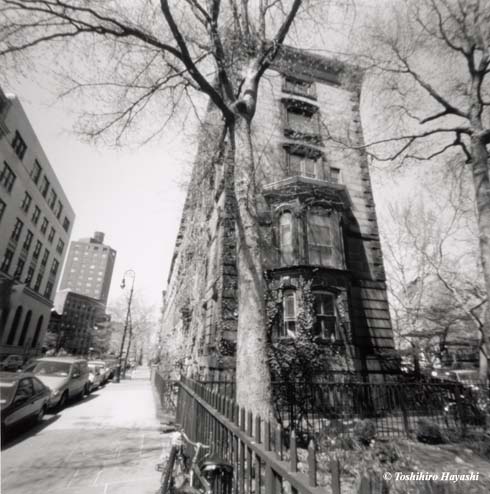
[
  {"x": 104, "y": 369},
  {"x": 22, "y": 397},
  {"x": 67, "y": 377},
  {"x": 95, "y": 375},
  {"x": 12, "y": 363}
]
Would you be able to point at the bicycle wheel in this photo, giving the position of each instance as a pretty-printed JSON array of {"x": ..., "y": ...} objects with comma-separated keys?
[{"x": 175, "y": 476}]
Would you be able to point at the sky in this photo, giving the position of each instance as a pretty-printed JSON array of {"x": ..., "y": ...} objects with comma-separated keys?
[{"x": 134, "y": 195}]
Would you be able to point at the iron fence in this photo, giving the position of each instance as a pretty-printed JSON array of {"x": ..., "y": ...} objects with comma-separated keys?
[{"x": 394, "y": 407}]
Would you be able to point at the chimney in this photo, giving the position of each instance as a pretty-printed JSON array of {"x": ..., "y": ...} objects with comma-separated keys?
[{"x": 99, "y": 237}]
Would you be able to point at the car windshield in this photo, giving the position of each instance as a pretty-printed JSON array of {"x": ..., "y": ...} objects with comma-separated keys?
[
  {"x": 60, "y": 369},
  {"x": 7, "y": 391}
]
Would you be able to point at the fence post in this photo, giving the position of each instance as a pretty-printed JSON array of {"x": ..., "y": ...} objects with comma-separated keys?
[
  {"x": 312, "y": 464},
  {"x": 292, "y": 452},
  {"x": 335, "y": 473},
  {"x": 278, "y": 441},
  {"x": 460, "y": 408}
]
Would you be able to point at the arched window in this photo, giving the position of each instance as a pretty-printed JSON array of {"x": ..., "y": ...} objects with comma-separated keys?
[
  {"x": 25, "y": 328},
  {"x": 39, "y": 325},
  {"x": 286, "y": 238},
  {"x": 15, "y": 325}
]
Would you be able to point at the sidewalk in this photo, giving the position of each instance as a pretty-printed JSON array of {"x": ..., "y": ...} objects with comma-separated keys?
[{"x": 109, "y": 443}]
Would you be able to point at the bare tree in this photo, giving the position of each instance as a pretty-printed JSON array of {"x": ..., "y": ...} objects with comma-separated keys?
[
  {"x": 218, "y": 48},
  {"x": 430, "y": 64},
  {"x": 435, "y": 281}
]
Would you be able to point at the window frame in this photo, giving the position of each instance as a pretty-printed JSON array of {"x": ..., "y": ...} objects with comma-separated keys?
[
  {"x": 7, "y": 177},
  {"x": 325, "y": 250},
  {"x": 288, "y": 323},
  {"x": 19, "y": 145},
  {"x": 17, "y": 231},
  {"x": 36, "y": 171},
  {"x": 26, "y": 202},
  {"x": 7, "y": 260},
  {"x": 332, "y": 335}
]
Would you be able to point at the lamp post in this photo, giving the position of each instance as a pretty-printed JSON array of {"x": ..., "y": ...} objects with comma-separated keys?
[{"x": 128, "y": 313}]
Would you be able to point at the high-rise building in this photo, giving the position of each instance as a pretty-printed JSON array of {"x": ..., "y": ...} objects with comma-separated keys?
[
  {"x": 74, "y": 321},
  {"x": 321, "y": 252},
  {"x": 36, "y": 219},
  {"x": 89, "y": 266}
]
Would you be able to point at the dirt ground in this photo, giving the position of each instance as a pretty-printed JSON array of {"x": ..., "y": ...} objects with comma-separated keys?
[{"x": 395, "y": 460}]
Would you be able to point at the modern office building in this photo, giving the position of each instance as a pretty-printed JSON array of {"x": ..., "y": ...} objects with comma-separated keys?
[
  {"x": 36, "y": 220},
  {"x": 321, "y": 251},
  {"x": 89, "y": 266}
]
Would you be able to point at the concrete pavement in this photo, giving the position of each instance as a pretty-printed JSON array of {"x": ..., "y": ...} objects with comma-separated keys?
[{"x": 108, "y": 443}]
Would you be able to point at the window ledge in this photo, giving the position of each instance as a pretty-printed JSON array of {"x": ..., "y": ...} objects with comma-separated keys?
[
  {"x": 303, "y": 136},
  {"x": 305, "y": 180}
]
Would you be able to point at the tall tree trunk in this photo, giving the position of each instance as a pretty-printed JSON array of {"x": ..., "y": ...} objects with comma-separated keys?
[
  {"x": 482, "y": 194},
  {"x": 252, "y": 374}
]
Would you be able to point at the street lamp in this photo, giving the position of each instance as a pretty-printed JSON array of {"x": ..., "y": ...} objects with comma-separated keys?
[{"x": 123, "y": 285}]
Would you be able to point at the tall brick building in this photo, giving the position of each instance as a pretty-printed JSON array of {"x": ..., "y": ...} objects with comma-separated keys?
[{"x": 318, "y": 222}]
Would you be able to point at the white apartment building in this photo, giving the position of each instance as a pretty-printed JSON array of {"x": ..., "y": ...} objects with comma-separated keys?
[{"x": 36, "y": 220}]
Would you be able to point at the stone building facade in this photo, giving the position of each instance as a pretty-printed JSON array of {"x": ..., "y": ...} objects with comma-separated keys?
[
  {"x": 318, "y": 222},
  {"x": 36, "y": 220}
]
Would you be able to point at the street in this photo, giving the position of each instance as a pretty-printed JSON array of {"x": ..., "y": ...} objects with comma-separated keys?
[{"x": 107, "y": 443}]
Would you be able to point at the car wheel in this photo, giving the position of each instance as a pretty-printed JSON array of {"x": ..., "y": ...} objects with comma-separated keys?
[
  {"x": 87, "y": 389},
  {"x": 63, "y": 400},
  {"x": 40, "y": 414}
]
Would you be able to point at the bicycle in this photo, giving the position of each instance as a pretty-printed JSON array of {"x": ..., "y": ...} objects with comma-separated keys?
[{"x": 183, "y": 474}]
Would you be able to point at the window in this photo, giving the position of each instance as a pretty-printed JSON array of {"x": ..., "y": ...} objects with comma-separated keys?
[
  {"x": 30, "y": 275},
  {"x": 66, "y": 224},
  {"x": 44, "y": 260},
  {"x": 302, "y": 121},
  {"x": 289, "y": 313},
  {"x": 54, "y": 267},
  {"x": 7, "y": 260},
  {"x": 286, "y": 238},
  {"x": 44, "y": 225},
  {"x": 48, "y": 290},
  {"x": 334, "y": 175},
  {"x": 60, "y": 247},
  {"x": 3, "y": 207},
  {"x": 19, "y": 269},
  {"x": 36, "y": 172},
  {"x": 35, "y": 215},
  {"x": 37, "y": 250},
  {"x": 53, "y": 197},
  {"x": 51, "y": 235},
  {"x": 58, "y": 210},
  {"x": 325, "y": 325},
  {"x": 39, "y": 279},
  {"x": 17, "y": 230},
  {"x": 19, "y": 145},
  {"x": 27, "y": 241},
  {"x": 320, "y": 247},
  {"x": 304, "y": 166},
  {"x": 7, "y": 177},
  {"x": 45, "y": 186},
  {"x": 26, "y": 202},
  {"x": 298, "y": 86}
]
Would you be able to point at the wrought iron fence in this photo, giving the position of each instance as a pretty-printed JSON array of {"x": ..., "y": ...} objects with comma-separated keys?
[{"x": 394, "y": 407}]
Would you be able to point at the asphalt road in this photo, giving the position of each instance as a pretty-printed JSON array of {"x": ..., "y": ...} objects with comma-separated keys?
[{"x": 107, "y": 443}]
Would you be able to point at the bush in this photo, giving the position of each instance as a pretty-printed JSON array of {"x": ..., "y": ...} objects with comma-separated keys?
[
  {"x": 365, "y": 431},
  {"x": 429, "y": 433}
]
